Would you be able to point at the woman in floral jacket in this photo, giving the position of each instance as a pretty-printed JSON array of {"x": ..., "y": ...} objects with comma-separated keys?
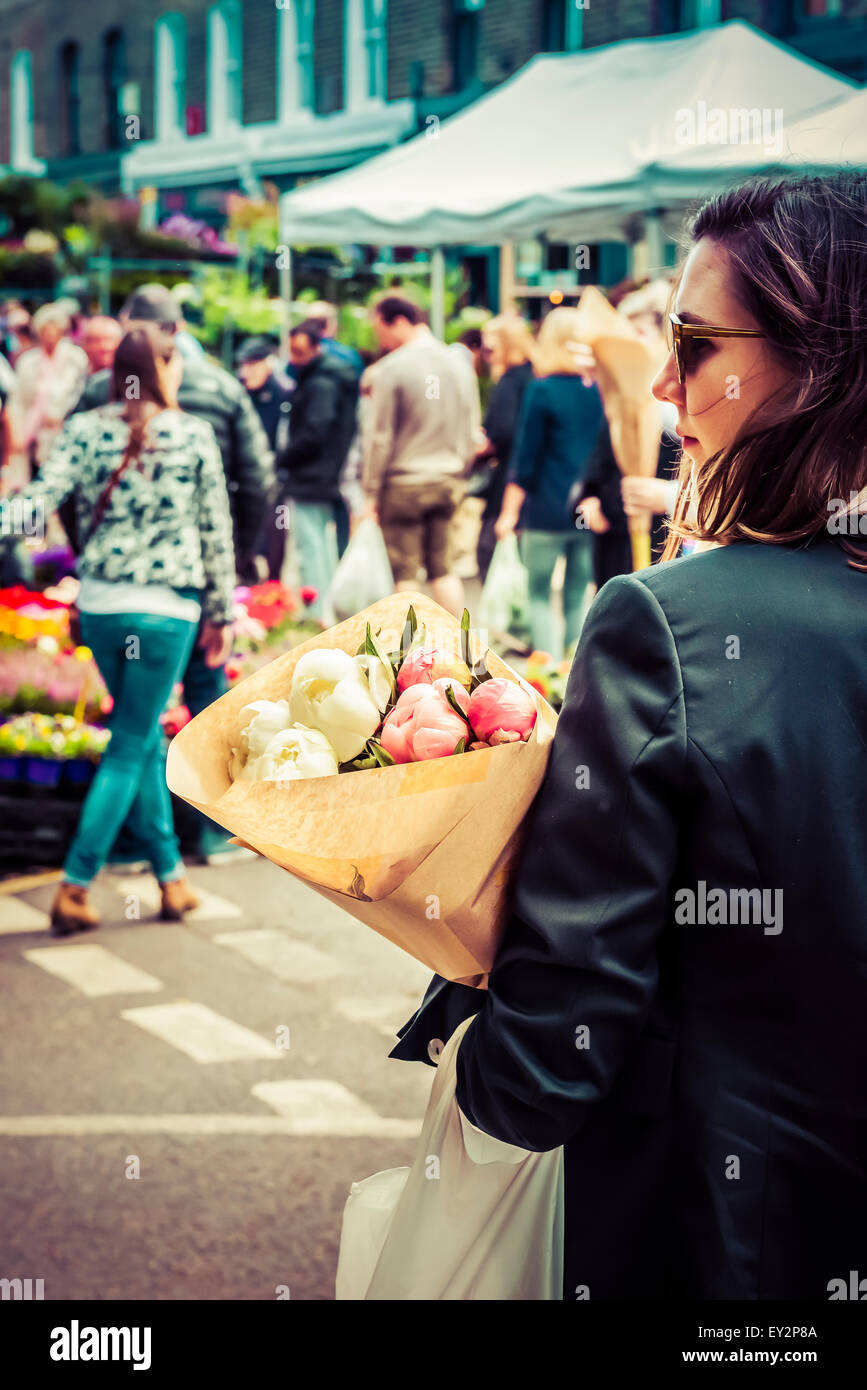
[{"x": 150, "y": 499}]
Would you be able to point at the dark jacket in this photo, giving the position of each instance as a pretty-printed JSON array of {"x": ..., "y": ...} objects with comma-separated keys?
[
  {"x": 715, "y": 1110},
  {"x": 500, "y": 424},
  {"x": 272, "y": 403},
  {"x": 557, "y": 429},
  {"x": 322, "y": 423},
  {"x": 612, "y": 550},
  {"x": 248, "y": 463}
]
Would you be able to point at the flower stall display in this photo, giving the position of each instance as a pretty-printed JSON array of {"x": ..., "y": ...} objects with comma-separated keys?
[
  {"x": 389, "y": 762},
  {"x": 548, "y": 676},
  {"x": 44, "y": 750},
  {"x": 268, "y": 620}
]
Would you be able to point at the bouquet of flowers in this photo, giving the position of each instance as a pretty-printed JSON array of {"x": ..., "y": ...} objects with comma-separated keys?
[{"x": 452, "y": 745}]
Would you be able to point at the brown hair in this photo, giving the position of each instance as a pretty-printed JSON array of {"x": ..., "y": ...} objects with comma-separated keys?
[
  {"x": 798, "y": 251},
  {"x": 394, "y": 306},
  {"x": 135, "y": 365}
]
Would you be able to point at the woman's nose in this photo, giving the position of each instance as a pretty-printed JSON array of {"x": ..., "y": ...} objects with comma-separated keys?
[{"x": 665, "y": 385}]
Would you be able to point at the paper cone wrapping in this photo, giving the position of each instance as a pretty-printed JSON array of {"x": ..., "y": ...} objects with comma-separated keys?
[
  {"x": 626, "y": 365},
  {"x": 420, "y": 852}
]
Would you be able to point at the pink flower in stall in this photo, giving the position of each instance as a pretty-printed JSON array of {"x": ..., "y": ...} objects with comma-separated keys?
[
  {"x": 308, "y": 594},
  {"x": 500, "y": 707},
  {"x": 422, "y": 725}
]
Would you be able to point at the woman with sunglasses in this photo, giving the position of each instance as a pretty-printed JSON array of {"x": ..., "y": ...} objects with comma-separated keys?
[
  {"x": 681, "y": 993},
  {"x": 152, "y": 512}
]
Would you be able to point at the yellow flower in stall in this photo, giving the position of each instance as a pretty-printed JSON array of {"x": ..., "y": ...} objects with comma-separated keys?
[{"x": 83, "y": 654}]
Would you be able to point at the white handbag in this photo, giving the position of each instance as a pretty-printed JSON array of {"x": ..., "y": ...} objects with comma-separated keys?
[{"x": 472, "y": 1218}]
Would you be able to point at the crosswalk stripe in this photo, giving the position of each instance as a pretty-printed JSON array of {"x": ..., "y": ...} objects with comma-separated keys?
[
  {"x": 93, "y": 970},
  {"x": 201, "y": 1033},
  {"x": 327, "y": 1107},
  {"x": 211, "y": 907},
  {"x": 293, "y": 961},
  {"x": 50, "y": 1126},
  {"x": 385, "y": 1013},
  {"x": 18, "y": 916}
]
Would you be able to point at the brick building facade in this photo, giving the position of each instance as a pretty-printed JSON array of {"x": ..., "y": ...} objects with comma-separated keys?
[{"x": 213, "y": 95}]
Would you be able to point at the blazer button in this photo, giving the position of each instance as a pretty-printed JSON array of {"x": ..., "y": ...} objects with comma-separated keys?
[{"x": 434, "y": 1049}]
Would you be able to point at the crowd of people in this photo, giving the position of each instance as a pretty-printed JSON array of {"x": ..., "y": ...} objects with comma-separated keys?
[{"x": 172, "y": 479}]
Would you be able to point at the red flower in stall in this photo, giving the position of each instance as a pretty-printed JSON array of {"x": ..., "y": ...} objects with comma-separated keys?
[{"x": 309, "y": 595}]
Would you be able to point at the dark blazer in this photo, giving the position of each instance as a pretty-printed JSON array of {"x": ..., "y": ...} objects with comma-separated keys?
[
  {"x": 322, "y": 423},
  {"x": 714, "y": 1111},
  {"x": 248, "y": 463},
  {"x": 556, "y": 435}
]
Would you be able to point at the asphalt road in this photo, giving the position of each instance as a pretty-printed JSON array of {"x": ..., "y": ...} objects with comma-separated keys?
[{"x": 138, "y": 1157}]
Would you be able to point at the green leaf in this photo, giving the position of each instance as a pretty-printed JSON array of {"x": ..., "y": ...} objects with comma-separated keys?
[
  {"x": 373, "y": 647},
  {"x": 383, "y": 758},
  {"x": 460, "y": 746},
  {"x": 453, "y": 701},
  {"x": 465, "y": 636}
]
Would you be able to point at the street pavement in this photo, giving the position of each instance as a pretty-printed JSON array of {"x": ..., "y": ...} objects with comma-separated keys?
[{"x": 184, "y": 1107}]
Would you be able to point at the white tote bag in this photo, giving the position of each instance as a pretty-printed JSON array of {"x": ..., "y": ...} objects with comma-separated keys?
[
  {"x": 473, "y": 1218},
  {"x": 363, "y": 575}
]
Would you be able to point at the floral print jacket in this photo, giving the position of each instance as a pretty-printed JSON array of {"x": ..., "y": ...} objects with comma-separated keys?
[{"x": 167, "y": 520}]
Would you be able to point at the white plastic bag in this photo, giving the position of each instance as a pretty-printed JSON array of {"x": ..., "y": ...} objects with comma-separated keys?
[
  {"x": 363, "y": 575},
  {"x": 473, "y": 1218},
  {"x": 504, "y": 603}
]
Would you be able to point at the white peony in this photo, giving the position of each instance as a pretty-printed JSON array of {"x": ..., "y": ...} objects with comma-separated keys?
[
  {"x": 294, "y": 753},
  {"x": 330, "y": 693},
  {"x": 380, "y": 679},
  {"x": 269, "y": 717}
]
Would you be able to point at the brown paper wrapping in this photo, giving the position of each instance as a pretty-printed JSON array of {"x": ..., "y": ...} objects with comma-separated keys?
[
  {"x": 419, "y": 852},
  {"x": 626, "y": 365}
]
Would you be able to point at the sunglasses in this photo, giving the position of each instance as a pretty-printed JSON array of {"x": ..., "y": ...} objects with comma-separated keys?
[{"x": 683, "y": 335}]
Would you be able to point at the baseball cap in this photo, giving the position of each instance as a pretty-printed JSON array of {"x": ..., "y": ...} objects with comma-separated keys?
[
  {"x": 255, "y": 350},
  {"x": 153, "y": 304}
]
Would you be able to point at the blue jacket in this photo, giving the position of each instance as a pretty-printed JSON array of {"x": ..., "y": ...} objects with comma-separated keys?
[{"x": 557, "y": 430}]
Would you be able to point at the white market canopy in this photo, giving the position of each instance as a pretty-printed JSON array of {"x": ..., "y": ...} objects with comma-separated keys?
[
  {"x": 835, "y": 134},
  {"x": 563, "y": 147}
]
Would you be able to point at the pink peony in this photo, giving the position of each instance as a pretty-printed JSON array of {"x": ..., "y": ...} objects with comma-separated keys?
[
  {"x": 422, "y": 725},
  {"x": 501, "y": 707},
  {"x": 425, "y": 665}
]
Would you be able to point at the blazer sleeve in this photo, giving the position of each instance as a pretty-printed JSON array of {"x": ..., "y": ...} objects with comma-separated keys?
[{"x": 577, "y": 972}]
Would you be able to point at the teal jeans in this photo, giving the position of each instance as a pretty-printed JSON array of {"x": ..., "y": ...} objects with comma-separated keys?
[
  {"x": 540, "y": 551},
  {"x": 315, "y": 543},
  {"x": 140, "y": 656}
]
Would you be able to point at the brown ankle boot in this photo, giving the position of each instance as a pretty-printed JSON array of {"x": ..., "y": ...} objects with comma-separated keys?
[
  {"x": 178, "y": 898},
  {"x": 71, "y": 911}
]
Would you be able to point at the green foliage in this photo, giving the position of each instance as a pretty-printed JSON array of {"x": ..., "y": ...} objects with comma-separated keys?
[{"x": 227, "y": 304}]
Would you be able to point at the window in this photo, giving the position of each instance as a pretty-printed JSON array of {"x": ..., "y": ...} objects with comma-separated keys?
[
  {"x": 365, "y": 51},
  {"x": 675, "y": 15},
  {"x": 375, "y": 48},
  {"x": 21, "y": 103},
  {"x": 562, "y": 25},
  {"x": 816, "y": 9},
  {"x": 113, "y": 77},
  {"x": 70, "y": 99},
  {"x": 295, "y": 58},
  {"x": 225, "y": 71},
  {"x": 465, "y": 42},
  {"x": 170, "y": 66}
]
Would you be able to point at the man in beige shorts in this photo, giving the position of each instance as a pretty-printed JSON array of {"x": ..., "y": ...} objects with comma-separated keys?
[{"x": 420, "y": 437}]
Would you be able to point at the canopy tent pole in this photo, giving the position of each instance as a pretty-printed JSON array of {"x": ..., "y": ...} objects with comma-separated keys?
[
  {"x": 507, "y": 277},
  {"x": 437, "y": 292},
  {"x": 284, "y": 270},
  {"x": 648, "y": 254}
]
